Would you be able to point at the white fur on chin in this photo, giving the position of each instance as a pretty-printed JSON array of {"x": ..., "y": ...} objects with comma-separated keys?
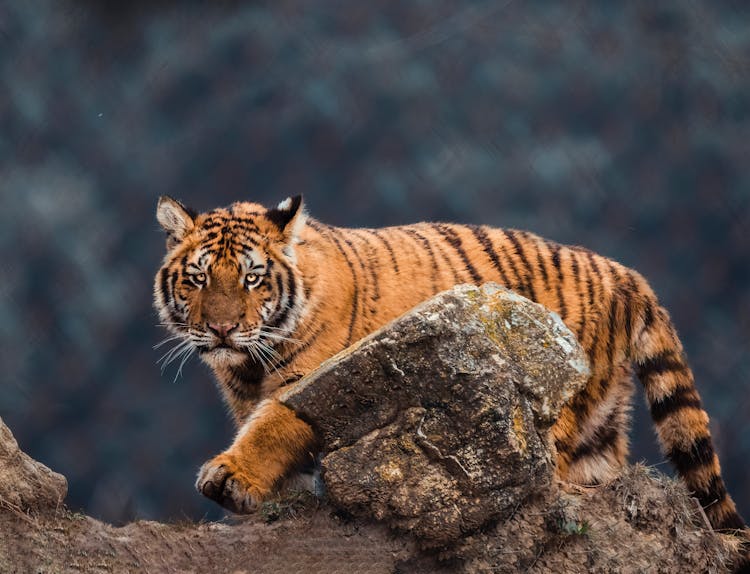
[{"x": 222, "y": 357}]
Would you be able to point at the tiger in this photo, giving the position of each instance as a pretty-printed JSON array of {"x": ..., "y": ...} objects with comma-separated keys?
[{"x": 265, "y": 295}]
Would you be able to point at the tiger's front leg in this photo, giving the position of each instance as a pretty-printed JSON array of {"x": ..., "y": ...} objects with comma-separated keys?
[{"x": 269, "y": 445}]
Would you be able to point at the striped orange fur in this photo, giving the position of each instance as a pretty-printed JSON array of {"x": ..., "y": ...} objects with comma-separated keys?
[{"x": 265, "y": 295}]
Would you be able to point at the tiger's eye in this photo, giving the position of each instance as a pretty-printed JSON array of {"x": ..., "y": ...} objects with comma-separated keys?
[
  {"x": 200, "y": 278},
  {"x": 251, "y": 279}
]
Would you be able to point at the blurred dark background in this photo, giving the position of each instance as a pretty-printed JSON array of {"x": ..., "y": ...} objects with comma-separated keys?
[{"x": 622, "y": 126}]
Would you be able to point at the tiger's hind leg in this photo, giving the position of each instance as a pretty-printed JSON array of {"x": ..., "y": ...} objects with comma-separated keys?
[{"x": 592, "y": 438}]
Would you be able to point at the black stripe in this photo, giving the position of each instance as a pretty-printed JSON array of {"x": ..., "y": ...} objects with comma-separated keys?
[
  {"x": 594, "y": 342},
  {"x": 665, "y": 362},
  {"x": 203, "y": 258},
  {"x": 614, "y": 328},
  {"x": 302, "y": 347},
  {"x": 280, "y": 315},
  {"x": 444, "y": 257},
  {"x": 355, "y": 294},
  {"x": 582, "y": 403},
  {"x": 563, "y": 447},
  {"x": 243, "y": 245},
  {"x": 556, "y": 264},
  {"x": 415, "y": 251},
  {"x": 279, "y": 312},
  {"x": 611, "y": 340},
  {"x": 314, "y": 224},
  {"x": 587, "y": 313},
  {"x": 681, "y": 398},
  {"x": 389, "y": 248},
  {"x": 243, "y": 224},
  {"x": 581, "y": 406},
  {"x": 542, "y": 266},
  {"x": 595, "y": 266},
  {"x": 365, "y": 285},
  {"x": 247, "y": 218},
  {"x": 212, "y": 222},
  {"x": 629, "y": 301},
  {"x": 511, "y": 235},
  {"x": 246, "y": 379},
  {"x": 173, "y": 285},
  {"x": 355, "y": 251},
  {"x": 291, "y": 290},
  {"x": 371, "y": 267},
  {"x": 168, "y": 297},
  {"x": 512, "y": 264},
  {"x": 590, "y": 281},
  {"x": 454, "y": 241},
  {"x": 575, "y": 266},
  {"x": 701, "y": 453},
  {"x": 165, "y": 286},
  {"x": 427, "y": 247},
  {"x": 603, "y": 438},
  {"x": 648, "y": 316},
  {"x": 714, "y": 493},
  {"x": 274, "y": 319},
  {"x": 486, "y": 243}
]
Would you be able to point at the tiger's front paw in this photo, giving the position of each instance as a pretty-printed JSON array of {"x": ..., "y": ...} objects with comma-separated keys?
[{"x": 221, "y": 479}]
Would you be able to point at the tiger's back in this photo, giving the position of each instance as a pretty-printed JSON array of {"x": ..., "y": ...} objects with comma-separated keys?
[
  {"x": 341, "y": 284},
  {"x": 611, "y": 309}
]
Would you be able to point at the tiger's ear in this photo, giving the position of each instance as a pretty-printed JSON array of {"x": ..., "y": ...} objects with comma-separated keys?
[
  {"x": 288, "y": 216},
  {"x": 176, "y": 219}
]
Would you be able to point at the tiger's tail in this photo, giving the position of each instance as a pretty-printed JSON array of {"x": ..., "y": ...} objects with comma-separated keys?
[{"x": 678, "y": 415}]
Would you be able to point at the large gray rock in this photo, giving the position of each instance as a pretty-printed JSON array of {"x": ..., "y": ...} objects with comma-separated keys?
[
  {"x": 438, "y": 423},
  {"x": 25, "y": 484}
]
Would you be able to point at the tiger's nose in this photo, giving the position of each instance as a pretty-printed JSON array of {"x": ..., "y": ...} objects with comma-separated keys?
[{"x": 222, "y": 329}]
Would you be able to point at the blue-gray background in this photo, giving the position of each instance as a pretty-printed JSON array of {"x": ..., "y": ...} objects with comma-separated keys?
[{"x": 622, "y": 126}]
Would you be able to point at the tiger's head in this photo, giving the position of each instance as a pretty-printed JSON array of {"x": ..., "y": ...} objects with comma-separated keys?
[{"x": 229, "y": 287}]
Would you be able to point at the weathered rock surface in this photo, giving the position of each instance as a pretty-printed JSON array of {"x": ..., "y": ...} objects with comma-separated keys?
[
  {"x": 436, "y": 425},
  {"x": 25, "y": 483}
]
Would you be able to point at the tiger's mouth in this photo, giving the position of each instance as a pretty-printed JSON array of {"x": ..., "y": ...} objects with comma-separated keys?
[
  {"x": 222, "y": 354},
  {"x": 231, "y": 349},
  {"x": 219, "y": 347}
]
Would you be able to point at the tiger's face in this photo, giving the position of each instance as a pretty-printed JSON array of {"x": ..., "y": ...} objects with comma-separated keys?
[{"x": 228, "y": 287}]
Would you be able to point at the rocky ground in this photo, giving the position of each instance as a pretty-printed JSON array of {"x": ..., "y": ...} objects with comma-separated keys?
[{"x": 436, "y": 459}]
